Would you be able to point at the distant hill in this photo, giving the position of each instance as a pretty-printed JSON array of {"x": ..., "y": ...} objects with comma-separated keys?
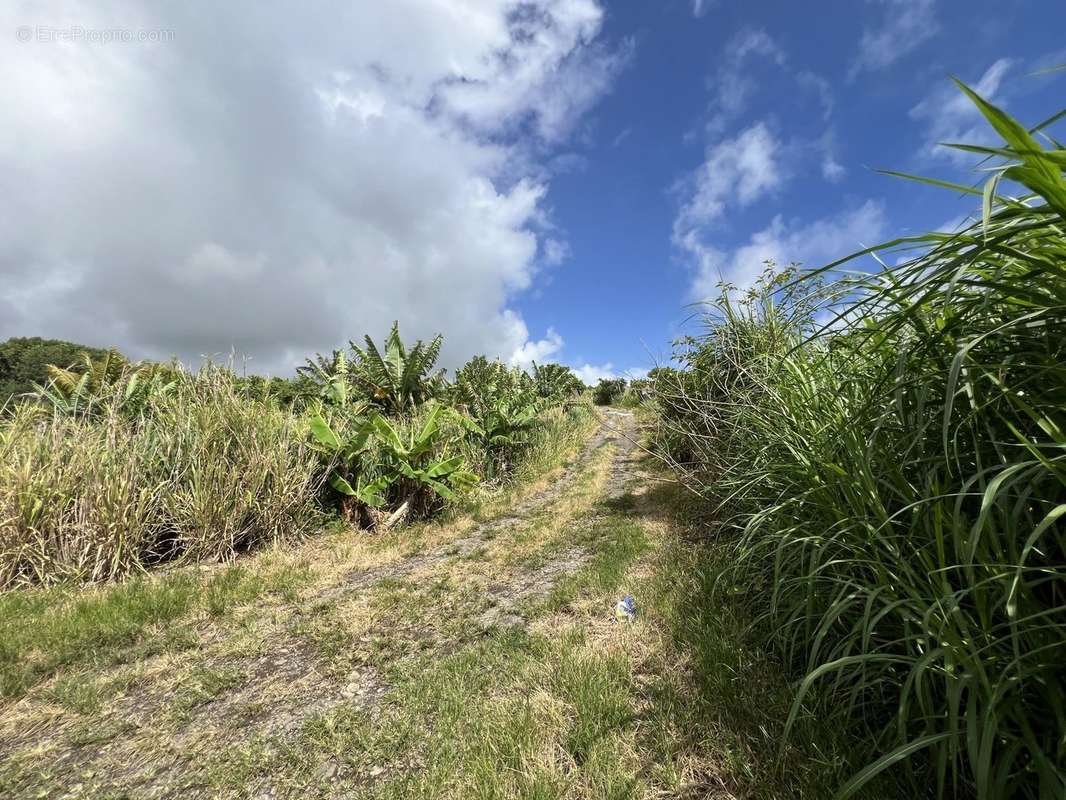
[{"x": 23, "y": 359}]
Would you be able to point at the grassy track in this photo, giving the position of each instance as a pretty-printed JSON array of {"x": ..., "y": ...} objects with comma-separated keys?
[{"x": 477, "y": 658}]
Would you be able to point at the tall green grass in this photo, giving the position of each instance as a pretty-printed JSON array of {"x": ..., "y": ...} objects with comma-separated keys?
[
  {"x": 894, "y": 471},
  {"x": 200, "y": 472}
]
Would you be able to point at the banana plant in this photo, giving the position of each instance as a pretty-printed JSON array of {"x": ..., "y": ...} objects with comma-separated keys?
[
  {"x": 409, "y": 470},
  {"x": 556, "y": 382},
  {"x": 331, "y": 376},
  {"x": 502, "y": 427},
  {"x": 348, "y": 452},
  {"x": 110, "y": 379},
  {"x": 412, "y": 457},
  {"x": 401, "y": 377}
]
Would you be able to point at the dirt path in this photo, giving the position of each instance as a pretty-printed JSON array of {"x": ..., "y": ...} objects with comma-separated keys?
[
  {"x": 227, "y": 714},
  {"x": 618, "y": 429}
]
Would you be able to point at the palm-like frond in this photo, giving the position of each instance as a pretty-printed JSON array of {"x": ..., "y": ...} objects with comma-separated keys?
[
  {"x": 93, "y": 377},
  {"x": 400, "y": 378}
]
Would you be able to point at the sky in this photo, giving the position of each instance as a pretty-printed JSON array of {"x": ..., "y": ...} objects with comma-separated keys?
[{"x": 543, "y": 180}]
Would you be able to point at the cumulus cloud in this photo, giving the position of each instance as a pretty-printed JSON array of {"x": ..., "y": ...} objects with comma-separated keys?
[
  {"x": 552, "y": 70},
  {"x": 556, "y": 251},
  {"x": 733, "y": 84},
  {"x": 949, "y": 116},
  {"x": 277, "y": 186},
  {"x": 905, "y": 26},
  {"x": 541, "y": 351},
  {"x": 591, "y": 374},
  {"x": 832, "y": 170},
  {"x": 784, "y": 242},
  {"x": 735, "y": 172}
]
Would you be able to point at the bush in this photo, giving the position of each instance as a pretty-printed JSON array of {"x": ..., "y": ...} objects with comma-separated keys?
[
  {"x": 24, "y": 360},
  {"x": 608, "y": 390},
  {"x": 396, "y": 380},
  {"x": 556, "y": 382},
  {"x": 114, "y": 466}
]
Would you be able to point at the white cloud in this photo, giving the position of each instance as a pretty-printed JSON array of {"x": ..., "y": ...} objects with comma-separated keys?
[
  {"x": 950, "y": 116},
  {"x": 541, "y": 351},
  {"x": 733, "y": 83},
  {"x": 556, "y": 251},
  {"x": 811, "y": 244},
  {"x": 591, "y": 374},
  {"x": 906, "y": 25},
  {"x": 737, "y": 80},
  {"x": 735, "y": 171},
  {"x": 832, "y": 170},
  {"x": 282, "y": 186},
  {"x": 550, "y": 73},
  {"x": 701, "y": 7}
]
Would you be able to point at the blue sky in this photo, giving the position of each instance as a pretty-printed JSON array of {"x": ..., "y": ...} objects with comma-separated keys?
[
  {"x": 833, "y": 115},
  {"x": 537, "y": 179}
]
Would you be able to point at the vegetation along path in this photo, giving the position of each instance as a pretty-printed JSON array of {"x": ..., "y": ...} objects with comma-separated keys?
[{"x": 478, "y": 657}]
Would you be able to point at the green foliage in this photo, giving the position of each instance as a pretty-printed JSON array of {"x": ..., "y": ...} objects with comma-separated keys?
[
  {"x": 608, "y": 391},
  {"x": 400, "y": 378},
  {"x": 330, "y": 376},
  {"x": 120, "y": 465},
  {"x": 408, "y": 466},
  {"x": 109, "y": 379},
  {"x": 293, "y": 393},
  {"x": 23, "y": 362},
  {"x": 480, "y": 383},
  {"x": 96, "y": 375},
  {"x": 346, "y": 451},
  {"x": 896, "y": 479},
  {"x": 202, "y": 473},
  {"x": 421, "y": 460},
  {"x": 556, "y": 382},
  {"x": 504, "y": 408},
  {"x": 503, "y": 429},
  {"x": 395, "y": 379}
]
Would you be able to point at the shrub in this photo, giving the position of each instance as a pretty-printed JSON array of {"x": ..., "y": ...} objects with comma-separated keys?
[
  {"x": 608, "y": 390},
  {"x": 556, "y": 382},
  {"x": 24, "y": 360},
  {"x": 376, "y": 460}
]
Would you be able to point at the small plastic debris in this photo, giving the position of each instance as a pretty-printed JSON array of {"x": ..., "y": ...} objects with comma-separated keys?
[{"x": 626, "y": 608}]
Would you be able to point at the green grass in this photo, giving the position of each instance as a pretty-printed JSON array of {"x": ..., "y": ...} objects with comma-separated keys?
[
  {"x": 78, "y": 692},
  {"x": 45, "y": 630},
  {"x": 203, "y": 685},
  {"x": 201, "y": 473},
  {"x": 892, "y": 485},
  {"x": 531, "y": 714},
  {"x": 573, "y": 704}
]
